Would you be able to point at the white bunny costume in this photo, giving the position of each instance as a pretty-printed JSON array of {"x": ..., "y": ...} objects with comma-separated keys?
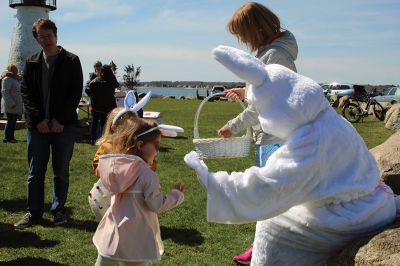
[{"x": 317, "y": 192}]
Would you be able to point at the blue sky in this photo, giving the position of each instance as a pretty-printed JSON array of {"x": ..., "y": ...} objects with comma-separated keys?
[{"x": 353, "y": 41}]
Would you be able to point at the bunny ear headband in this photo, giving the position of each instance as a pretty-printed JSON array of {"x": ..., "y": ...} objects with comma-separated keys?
[
  {"x": 130, "y": 104},
  {"x": 166, "y": 130}
]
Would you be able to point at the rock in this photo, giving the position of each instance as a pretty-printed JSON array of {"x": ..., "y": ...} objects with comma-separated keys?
[
  {"x": 392, "y": 118},
  {"x": 382, "y": 248},
  {"x": 387, "y": 155},
  {"x": 334, "y": 100},
  {"x": 386, "y": 105},
  {"x": 342, "y": 100}
]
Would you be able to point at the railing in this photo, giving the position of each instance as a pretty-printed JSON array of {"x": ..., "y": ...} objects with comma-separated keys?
[{"x": 51, "y": 4}]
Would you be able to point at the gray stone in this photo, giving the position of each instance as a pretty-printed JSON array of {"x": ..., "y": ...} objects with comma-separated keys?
[
  {"x": 392, "y": 118},
  {"x": 381, "y": 248},
  {"x": 387, "y": 155}
]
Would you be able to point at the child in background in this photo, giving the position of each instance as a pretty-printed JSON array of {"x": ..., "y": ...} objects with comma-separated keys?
[{"x": 129, "y": 232}]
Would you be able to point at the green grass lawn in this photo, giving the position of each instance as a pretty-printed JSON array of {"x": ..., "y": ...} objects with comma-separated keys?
[{"x": 188, "y": 238}]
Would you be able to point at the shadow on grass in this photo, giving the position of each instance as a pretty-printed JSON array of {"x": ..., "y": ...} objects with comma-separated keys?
[
  {"x": 180, "y": 137},
  {"x": 11, "y": 238},
  {"x": 189, "y": 237},
  {"x": 30, "y": 261},
  {"x": 165, "y": 149},
  {"x": 19, "y": 205},
  {"x": 87, "y": 225},
  {"x": 13, "y": 205}
]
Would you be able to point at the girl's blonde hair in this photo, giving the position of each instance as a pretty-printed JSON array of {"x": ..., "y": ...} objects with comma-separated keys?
[
  {"x": 10, "y": 71},
  {"x": 125, "y": 138},
  {"x": 109, "y": 128},
  {"x": 253, "y": 24}
]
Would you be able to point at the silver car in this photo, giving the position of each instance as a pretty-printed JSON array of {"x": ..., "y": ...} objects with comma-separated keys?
[{"x": 391, "y": 95}]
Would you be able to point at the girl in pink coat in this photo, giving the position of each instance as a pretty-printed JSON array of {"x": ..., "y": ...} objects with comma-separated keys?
[{"x": 129, "y": 233}]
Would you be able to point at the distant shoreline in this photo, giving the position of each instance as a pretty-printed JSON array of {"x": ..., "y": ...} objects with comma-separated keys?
[
  {"x": 228, "y": 85},
  {"x": 190, "y": 84}
]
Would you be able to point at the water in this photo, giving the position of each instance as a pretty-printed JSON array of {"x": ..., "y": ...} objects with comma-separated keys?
[
  {"x": 169, "y": 91},
  {"x": 173, "y": 91}
]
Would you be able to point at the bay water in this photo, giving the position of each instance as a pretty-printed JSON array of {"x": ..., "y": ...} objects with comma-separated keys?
[{"x": 173, "y": 91}]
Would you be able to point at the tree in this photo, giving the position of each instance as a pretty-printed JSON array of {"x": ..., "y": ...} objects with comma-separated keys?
[
  {"x": 131, "y": 76},
  {"x": 113, "y": 67}
]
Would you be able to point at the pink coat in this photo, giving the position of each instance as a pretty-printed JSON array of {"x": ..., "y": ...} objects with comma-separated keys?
[{"x": 129, "y": 228}]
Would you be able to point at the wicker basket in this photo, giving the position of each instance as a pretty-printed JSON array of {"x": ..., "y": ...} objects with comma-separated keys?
[{"x": 214, "y": 148}]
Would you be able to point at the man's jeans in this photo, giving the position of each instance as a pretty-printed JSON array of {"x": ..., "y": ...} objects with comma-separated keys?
[
  {"x": 39, "y": 146},
  {"x": 10, "y": 126},
  {"x": 98, "y": 121}
]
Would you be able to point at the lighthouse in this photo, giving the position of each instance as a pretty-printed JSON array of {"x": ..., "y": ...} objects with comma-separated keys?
[{"x": 23, "y": 44}]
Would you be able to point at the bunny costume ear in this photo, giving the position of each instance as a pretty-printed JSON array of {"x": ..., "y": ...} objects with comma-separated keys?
[
  {"x": 130, "y": 104},
  {"x": 242, "y": 64},
  {"x": 166, "y": 130}
]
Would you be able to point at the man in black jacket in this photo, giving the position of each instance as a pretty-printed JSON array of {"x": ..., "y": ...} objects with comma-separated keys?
[{"x": 51, "y": 89}]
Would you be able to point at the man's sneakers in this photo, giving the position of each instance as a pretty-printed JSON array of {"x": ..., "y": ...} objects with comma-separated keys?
[
  {"x": 59, "y": 218},
  {"x": 244, "y": 258},
  {"x": 27, "y": 221}
]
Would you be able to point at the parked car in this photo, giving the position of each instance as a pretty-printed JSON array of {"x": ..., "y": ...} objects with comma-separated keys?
[
  {"x": 391, "y": 95},
  {"x": 217, "y": 89},
  {"x": 343, "y": 89}
]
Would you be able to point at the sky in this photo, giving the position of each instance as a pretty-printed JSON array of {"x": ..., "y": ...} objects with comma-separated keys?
[{"x": 355, "y": 41}]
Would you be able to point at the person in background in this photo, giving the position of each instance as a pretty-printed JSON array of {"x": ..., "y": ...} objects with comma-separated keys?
[
  {"x": 51, "y": 89},
  {"x": 1, "y": 97},
  {"x": 101, "y": 92},
  {"x": 137, "y": 198},
  {"x": 11, "y": 101},
  {"x": 97, "y": 71},
  {"x": 260, "y": 29}
]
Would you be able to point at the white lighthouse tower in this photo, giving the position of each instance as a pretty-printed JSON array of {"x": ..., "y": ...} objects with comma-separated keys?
[{"x": 23, "y": 44}]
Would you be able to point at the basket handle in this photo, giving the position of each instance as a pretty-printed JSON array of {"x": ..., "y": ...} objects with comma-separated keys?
[{"x": 196, "y": 118}]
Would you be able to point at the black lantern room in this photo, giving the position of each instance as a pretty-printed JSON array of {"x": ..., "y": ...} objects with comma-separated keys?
[{"x": 50, "y": 4}]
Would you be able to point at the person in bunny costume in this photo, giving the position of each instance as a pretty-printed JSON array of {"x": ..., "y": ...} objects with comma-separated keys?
[{"x": 316, "y": 193}]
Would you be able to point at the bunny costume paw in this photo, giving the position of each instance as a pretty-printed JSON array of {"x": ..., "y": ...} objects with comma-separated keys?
[{"x": 192, "y": 160}]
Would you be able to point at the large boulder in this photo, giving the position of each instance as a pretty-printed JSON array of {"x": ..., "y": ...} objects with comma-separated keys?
[
  {"x": 334, "y": 100},
  {"x": 342, "y": 101},
  {"x": 381, "y": 248},
  {"x": 392, "y": 118},
  {"x": 387, "y": 155}
]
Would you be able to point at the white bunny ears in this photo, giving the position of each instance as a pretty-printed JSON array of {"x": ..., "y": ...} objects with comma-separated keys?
[
  {"x": 130, "y": 104},
  {"x": 242, "y": 64},
  {"x": 166, "y": 130}
]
